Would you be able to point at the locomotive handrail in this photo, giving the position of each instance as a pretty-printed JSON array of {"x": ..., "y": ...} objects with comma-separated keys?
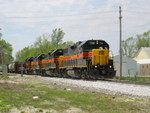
[{"x": 111, "y": 55}]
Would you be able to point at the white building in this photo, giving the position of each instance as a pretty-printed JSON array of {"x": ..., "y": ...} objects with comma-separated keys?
[{"x": 129, "y": 66}]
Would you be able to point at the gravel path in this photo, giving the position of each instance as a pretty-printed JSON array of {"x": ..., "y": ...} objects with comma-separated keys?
[{"x": 105, "y": 86}]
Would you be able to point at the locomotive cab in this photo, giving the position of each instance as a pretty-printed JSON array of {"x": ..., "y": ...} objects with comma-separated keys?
[
  {"x": 51, "y": 62},
  {"x": 38, "y": 64}
]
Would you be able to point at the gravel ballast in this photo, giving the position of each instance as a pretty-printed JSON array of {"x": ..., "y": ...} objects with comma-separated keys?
[{"x": 105, "y": 86}]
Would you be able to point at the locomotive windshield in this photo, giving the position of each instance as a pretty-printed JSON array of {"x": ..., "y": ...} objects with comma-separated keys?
[{"x": 96, "y": 44}]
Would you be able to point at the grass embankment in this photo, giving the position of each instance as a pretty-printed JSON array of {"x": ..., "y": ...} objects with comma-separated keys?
[
  {"x": 137, "y": 78},
  {"x": 54, "y": 99}
]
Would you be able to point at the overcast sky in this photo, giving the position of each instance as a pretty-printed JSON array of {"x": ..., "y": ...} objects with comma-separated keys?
[{"x": 22, "y": 21}]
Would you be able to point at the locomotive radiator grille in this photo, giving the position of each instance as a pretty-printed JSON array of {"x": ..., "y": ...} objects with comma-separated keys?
[{"x": 100, "y": 57}]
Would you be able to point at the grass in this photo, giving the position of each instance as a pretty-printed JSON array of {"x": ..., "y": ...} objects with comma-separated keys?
[
  {"x": 133, "y": 78},
  {"x": 3, "y": 77},
  {"x": 20, "y": 95}
]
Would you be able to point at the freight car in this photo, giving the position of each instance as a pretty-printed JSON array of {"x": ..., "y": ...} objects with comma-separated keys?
[
  {"x": 84, "y": 59},
  {"x": 15, "y": 67}
]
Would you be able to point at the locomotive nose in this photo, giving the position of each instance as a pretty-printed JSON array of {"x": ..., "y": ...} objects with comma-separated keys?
[{"x": 100, "y": 57}]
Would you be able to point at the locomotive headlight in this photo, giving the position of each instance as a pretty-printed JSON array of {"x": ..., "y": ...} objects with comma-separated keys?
[
  {"x": 95, "y": 66},
  {"x": 110, "y": 66}
]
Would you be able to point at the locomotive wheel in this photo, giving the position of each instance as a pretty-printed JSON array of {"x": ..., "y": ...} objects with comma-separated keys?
[{"x": 64, "y": 74}]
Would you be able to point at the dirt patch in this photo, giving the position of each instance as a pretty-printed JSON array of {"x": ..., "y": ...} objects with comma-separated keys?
[
  {"x": 46, "y": 102},
  {"x": 38, "y": 110},
  {"x": 73, "y": 110},
  {"x": 8, "y": 81},
  {"x": 32, "y": 110}
]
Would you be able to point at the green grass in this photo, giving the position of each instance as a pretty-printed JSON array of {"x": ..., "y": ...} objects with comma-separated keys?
[
  {"x": 137, "y": 78},
  {"x": 21, "y": 95},
  {"x": 3, "y": 77}
]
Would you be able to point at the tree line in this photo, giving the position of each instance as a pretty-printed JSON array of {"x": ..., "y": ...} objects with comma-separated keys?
[
  {"x": 132, "y": 45},
  {"x": 48, "y": 42},
  {"x": 44, "y": 44},
  {"x": 5, "y": 52}
]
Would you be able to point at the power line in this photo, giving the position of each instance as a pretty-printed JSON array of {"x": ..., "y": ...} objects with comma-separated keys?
[
  {"x": 136, "y": 11},
  {"x": 83, "y": 14},
  {"x": 70, "y": 10},
  {"x": 64, "y": 15},
  {"x": 53, "y": 19}
]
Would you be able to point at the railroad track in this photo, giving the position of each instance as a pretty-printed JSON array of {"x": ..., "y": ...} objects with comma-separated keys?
[
  {"x": 109, "y": 80},
  {"x": 130, "y": 82}
]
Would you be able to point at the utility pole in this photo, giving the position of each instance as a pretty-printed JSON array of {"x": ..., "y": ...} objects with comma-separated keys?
[{"x": 120, "y": 18}]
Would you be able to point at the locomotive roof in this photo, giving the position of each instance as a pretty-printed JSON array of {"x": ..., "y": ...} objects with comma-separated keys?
[
  {"x": 75, "y": 44},
  {"x": 30, "y": 58},
  {"x": 84, "y": 42},
  {"x": 40, "y": 55},
  {"x": 49, "y": 52},
  {"x": 55, "y": 51}
]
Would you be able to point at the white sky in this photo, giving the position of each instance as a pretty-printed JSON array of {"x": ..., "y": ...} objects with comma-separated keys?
[{"x": 22, "y": 21}]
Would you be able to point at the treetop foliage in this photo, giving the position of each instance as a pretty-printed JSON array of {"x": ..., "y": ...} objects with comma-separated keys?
[{"x": 44, "y": 44}]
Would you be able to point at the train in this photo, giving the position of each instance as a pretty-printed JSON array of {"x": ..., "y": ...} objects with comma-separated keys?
[{"x": 89, "y": 59}]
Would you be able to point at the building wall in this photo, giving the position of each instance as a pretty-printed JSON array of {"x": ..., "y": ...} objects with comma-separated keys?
[
  {"x": 129, "y": 66},
  {"x": 132, "y": 67},
  {"x": 117, "y": 68},
  {"x": 144, "y": 69}
]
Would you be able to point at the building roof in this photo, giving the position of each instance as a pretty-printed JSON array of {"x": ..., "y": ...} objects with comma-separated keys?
[
  {"x": 144, "y": 53},
  {"x": 147, "y": 50},
  {"x": 144, "y": 61}
]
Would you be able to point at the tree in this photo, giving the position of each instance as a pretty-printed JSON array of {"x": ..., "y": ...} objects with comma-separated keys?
[
  {"x": 57, "y": 37},
  {"x": 128, "y": 47},
  {"x": 131, "y": 46},
  {"x": 5, "y": 52},
  {"x": 44, "y": 44},
  {"x": 143, "y": 40}
]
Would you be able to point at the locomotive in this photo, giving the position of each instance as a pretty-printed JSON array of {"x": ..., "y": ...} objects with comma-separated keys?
[{"x": 85, "y": 59}]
